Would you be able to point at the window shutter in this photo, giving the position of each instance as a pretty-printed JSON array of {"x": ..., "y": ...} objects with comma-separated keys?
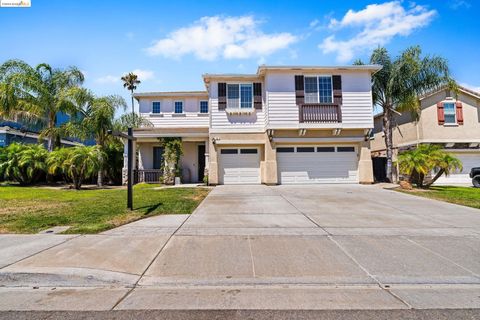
[
  {"x": 257, "y": 95},
  {"x": 299, "y": 90},
  {"x": 440, "y": 113},
  {"x": 459, "y": 110},
  {"x": 337, "y": 89},
  {"x": 222, "y": 95}
]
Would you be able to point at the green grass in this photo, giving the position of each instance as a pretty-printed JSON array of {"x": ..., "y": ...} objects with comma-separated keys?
[
  {"x": 465, "y": 196},
  {"x": 32, "y": 209}
]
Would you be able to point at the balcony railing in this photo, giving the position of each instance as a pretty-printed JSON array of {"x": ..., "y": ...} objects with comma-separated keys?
[
  {"x": 147, "y": 176},
  {"x": 320, "y": 113}
]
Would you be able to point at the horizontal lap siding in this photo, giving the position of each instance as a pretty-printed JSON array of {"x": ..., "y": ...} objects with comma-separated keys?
[
  {"x": 171, "y": 121},
  {"x": 357, "y": 110},
  {"x": 254, "y": 122}
]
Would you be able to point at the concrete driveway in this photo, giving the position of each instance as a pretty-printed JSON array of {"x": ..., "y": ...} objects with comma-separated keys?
[{"x": 258, "y": 247}]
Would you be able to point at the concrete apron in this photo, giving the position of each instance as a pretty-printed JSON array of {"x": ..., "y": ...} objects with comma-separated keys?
[{"x": 259, "y": 248}]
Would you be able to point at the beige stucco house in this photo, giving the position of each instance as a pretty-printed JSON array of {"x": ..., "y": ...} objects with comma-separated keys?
[
  {"x": 280, "y": 125},
  {"x": 451, "y": 120}
]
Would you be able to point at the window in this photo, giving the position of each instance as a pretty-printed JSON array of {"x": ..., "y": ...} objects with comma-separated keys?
[
  {"x": 178, "y": 106},
  {"x": 240, "y": 96},
  {"x": 325, "y": 149},
  {"x": 345, "y": 149},
  {"x": 156, "y": 107},
  {"x": 157, "y": 157},
  {"x": 305, "y": 149},
  {"x": 318, "y": 89},
  {"x": 229, "y": 151},
  {"x": 203, "y": 106},
  {"x": 449, "y": 109},
  {"x": 285, "y": 149},
  {"x": 248, "y": 151}
]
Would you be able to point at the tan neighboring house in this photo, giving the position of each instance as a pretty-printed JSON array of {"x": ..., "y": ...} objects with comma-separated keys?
[
  {"x": 446, "y": 120},
  {"x": 280, "y": 125}
]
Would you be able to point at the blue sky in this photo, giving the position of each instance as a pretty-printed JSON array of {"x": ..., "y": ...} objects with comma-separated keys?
[{"x": 171, "y": 43}]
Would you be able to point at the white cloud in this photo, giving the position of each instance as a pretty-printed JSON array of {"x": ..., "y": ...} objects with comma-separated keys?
[
  {"x": 108, "y": 79},
  {"x": 458, "y": 4},
  {"x": 228, "y": 37},
  {"x": 377, "y": 24},
  {"x": 470, "y": 86},
  {"x": 143, "y": 75},
  {"x": 314, "y": 23}
]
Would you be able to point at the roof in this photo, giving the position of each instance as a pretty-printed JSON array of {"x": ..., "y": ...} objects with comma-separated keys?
[
  {"x": 171, "y": 94},
  {"x": 263, "y": 69}
]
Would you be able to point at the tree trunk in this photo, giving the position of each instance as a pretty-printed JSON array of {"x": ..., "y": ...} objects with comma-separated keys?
[
  {"x": 133, "y": 109},
  {"x": 435, "y": 178},
  {"x": 100, "y": 178},
  {"x": 51, "y": 125},
  {"x": 387, "y": 130}
]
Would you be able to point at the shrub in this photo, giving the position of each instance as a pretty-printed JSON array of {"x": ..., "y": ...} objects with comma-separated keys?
[{"x": 23, "y": 163}]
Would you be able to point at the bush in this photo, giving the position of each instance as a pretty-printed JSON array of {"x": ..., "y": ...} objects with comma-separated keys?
[{"x": 23, "y": 163}]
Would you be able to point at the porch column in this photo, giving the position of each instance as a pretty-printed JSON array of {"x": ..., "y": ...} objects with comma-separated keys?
[
  {"x": 207, "y": 163},
  {"x": 270, "y": 174},
  {"x": 212, "y": 163},
  {"x": 365, "y": 165},
  {"x": 125, "y": 160}
]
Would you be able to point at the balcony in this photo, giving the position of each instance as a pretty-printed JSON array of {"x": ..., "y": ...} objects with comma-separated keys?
[{"x": 320, "y": 113}]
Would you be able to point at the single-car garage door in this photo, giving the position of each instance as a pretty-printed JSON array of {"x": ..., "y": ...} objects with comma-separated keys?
[
  {"x": 239, "y": 166},
  {"x": 469, "y": 160},
  {"x": 317, "y": 164}
]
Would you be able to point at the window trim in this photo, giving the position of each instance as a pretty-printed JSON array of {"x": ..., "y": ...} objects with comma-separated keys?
[
  {"x": 200, "y": 107},
  {"x": 445, "y": 123},
  {"x": 318, "y": 87},
  {"x": 160, "y": 107},
  {"x": 175, "y": 109},
  {"x": 240, "y": 96}
]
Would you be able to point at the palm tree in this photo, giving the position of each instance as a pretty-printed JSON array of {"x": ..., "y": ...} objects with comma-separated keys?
[
  {"x": 397, "y": 86},
  {"x": 421, "y": 161},
  {"x": 38, "y": 94},
  {"x": 23, "y": 163},
  {"x": 131, "y": 120},
  {"x": 78, "y": 163},
  {"x": 130, "y": 81},
  {"x": 96, "y": 117}
]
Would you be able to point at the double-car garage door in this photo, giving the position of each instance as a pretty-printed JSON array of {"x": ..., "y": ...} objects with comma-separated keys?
[
  {"x": 317, "y": 164},
  {"x": 469, "y": 160},
  {"x": 295, "y": 165}
]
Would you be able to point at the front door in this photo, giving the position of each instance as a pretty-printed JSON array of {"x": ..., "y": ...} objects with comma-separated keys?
[{"x": 201, "y": 162}]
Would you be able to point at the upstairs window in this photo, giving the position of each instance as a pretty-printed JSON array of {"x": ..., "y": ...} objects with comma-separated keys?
[
  {"x": 156, "y": 107},
  {"x": 240, "y": 96},
  {"x": 203, "y": 106},
  {"x": 318, "y": 89},
  {"x": 450, "y": 112},
  {"x": 178, "y": 106}
]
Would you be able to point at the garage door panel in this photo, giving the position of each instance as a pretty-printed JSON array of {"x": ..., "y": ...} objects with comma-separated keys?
[
  {"x": 317, "y": 167},
  {"x": 239, "y": 168}
]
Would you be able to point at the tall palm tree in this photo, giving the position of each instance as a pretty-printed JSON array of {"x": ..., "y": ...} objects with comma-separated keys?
[
  {"x": 397, "y": 86},
  {"x": 130, "y": 81},
  {"x": 38, "y": 94},
  {"x": 96, "y": 117}
]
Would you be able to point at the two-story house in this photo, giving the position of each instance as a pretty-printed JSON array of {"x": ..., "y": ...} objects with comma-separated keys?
[
  {"x": 447, "y": 119},
  {"x": 280, "y": 125}
]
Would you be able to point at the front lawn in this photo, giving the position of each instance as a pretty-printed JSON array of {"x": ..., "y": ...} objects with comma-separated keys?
[
  {"x": 465, "y": 196},
  {"x": 32, "y": 209}
]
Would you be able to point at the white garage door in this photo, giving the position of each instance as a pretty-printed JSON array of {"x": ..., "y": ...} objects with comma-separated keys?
[
  {"x": 317, "y": 164},
  {"x": 469, "y": 160},
  {"x": 239, "y": 166}
]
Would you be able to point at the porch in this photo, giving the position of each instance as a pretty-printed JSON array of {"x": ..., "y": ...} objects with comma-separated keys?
[{"x": 149, "y": 160}]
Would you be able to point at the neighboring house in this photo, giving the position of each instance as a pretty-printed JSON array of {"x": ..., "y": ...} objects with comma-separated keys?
[
  {"x": 281, "y": 125},
  {"x": 13, "y": 131},
  {"x": 452, "y": 122}
]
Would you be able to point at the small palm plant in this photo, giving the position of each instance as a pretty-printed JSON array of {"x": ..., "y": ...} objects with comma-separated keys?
[
  {"x": 418, "y": 163},
  {"x": 130, "y": 82},
  {"x": 24, "y": 164},
  {"x": 77, "y": 163}
]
